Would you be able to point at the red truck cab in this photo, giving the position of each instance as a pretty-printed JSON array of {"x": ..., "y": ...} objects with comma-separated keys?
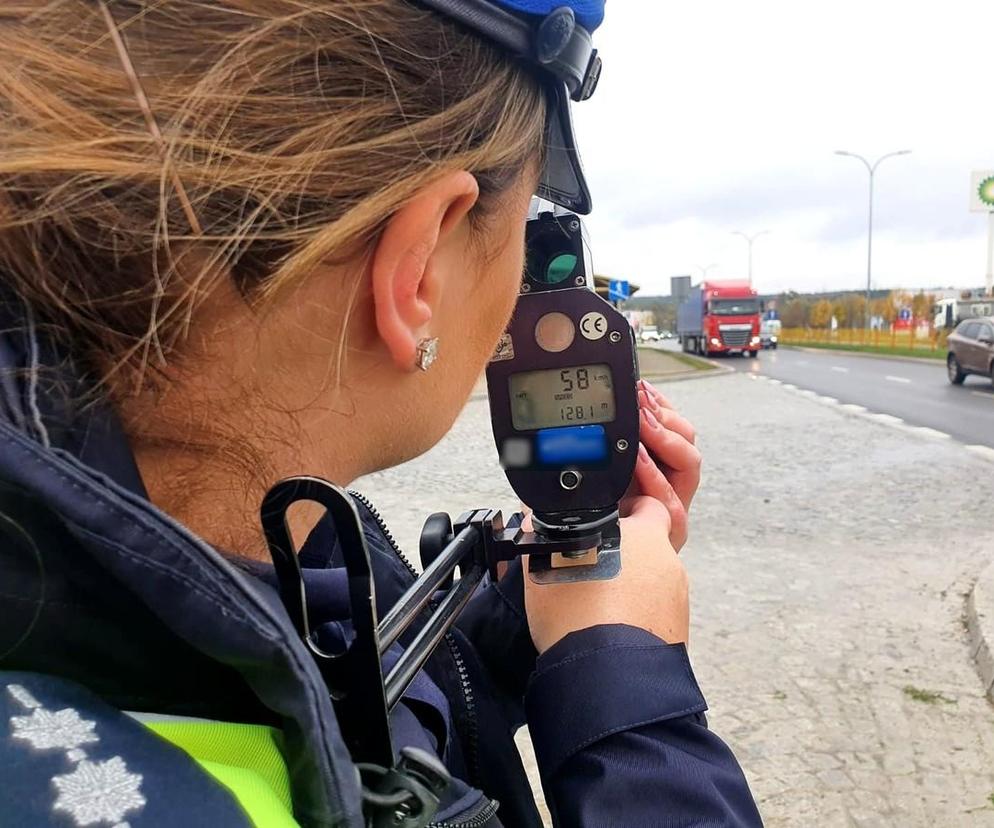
[{"x": 720, "y": 318}]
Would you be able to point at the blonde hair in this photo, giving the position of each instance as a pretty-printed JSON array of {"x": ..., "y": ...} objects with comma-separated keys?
[{"x": 290, "y": 131}]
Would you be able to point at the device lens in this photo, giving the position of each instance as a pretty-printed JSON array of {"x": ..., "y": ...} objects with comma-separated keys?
[{"x": 560, "y": 268}]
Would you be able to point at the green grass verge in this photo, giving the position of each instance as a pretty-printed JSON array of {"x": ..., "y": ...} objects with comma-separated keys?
[
  {"x": 655, "y": 361},
  {"x": 696, "y": 363},
  {"x": 870, "y": 349}
]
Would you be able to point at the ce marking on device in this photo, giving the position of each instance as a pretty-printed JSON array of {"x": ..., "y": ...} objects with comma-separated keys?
[{"x": 593, "y": 325}]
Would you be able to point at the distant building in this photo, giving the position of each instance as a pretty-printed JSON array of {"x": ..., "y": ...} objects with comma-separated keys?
[{"x": 638, "y": 319}]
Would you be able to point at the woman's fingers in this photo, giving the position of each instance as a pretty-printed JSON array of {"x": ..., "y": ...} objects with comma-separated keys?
[
  {"x": 657, "y": 395},
  {"x": 669, "y": 465},
  {"x": 671, "y": 420},
  {"x": 679, "y": 459},
  {"x": 651, "y": 399},
  {"x": 653, "y": 483}
]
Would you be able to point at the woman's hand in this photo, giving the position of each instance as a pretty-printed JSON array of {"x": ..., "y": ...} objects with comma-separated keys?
[
  {"x": 669, "y": 465},
  {"x": 651, "y": 592}
]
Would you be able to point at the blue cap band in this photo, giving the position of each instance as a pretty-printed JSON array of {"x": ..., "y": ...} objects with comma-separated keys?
[
  {"x": 589, "y": 13},
  {"x": 552, "y": 36}
]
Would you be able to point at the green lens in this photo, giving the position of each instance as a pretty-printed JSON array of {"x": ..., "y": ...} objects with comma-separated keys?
[{"x": 560, "y": 268}]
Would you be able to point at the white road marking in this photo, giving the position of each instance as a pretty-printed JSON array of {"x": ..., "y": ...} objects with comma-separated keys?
[
  {"x": 889, "y": 378},
  {"x": 890, "y": 420},
  {"x": 982, "y": 451},
  {"x": 840, "y": 369}
]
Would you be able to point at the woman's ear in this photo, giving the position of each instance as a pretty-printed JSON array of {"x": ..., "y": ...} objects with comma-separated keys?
[{"x": 407, "y": 281}]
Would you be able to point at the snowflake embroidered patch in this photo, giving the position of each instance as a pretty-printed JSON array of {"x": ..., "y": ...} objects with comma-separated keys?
[
  {"x": 99, "y": 791},
  {"x": 62, "y": 729},
  {"x": 94, "y": 792}
]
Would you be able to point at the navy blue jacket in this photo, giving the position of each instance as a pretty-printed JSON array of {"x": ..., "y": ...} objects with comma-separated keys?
[{"x": 110, "y": 605}]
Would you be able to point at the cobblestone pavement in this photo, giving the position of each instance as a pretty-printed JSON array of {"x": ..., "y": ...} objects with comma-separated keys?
[{"x": 829, "y": 560}]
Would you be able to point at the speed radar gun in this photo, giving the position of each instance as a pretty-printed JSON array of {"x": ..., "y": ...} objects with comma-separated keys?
[
  {"x": 562, "y": 387},
  {"x": 564, "y": 408}
]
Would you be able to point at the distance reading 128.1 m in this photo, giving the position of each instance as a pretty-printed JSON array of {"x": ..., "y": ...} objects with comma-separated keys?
[{"x": 562, "y": 397}]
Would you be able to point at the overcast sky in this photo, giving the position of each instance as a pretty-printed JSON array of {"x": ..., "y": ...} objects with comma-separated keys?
[{"x": 714, "y": 116}]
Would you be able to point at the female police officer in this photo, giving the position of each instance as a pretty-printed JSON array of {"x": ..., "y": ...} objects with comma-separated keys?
[{"x": 231, "y": 234}]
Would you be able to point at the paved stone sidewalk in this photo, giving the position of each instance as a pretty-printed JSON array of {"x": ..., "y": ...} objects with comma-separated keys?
[{"x": 830, "y": 558}]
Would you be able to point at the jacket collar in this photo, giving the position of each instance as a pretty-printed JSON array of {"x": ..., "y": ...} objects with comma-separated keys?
[{"x": 115, "y": 587}]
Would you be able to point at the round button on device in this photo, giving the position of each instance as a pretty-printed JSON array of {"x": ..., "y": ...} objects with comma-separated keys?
[
  {"x": 555, "y": 332},
  {"x": 570, "y": 479}
]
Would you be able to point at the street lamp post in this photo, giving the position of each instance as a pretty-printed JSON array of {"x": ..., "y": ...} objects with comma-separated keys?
[
  {"x": 704, "y": 270},
  {"x": 750, "y": 239},
  {"x": 871, "y": 169}
]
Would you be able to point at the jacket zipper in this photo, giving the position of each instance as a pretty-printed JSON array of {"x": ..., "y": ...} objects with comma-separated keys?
[
  {"x": 384, "y": 530},
  {"x": 478, "y": 820},
  {"x": 472, "y": 737}
]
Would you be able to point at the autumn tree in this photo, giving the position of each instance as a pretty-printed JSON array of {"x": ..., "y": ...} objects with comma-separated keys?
[
  {"x": 884, "y": 308},
  {"x": 841, "y": 312},
  {"x": 795, "y": 313},
  {"x": 855, "y": 310},
  {"x": 922, "y": 304},
  {"x": 821, "y": 314}
]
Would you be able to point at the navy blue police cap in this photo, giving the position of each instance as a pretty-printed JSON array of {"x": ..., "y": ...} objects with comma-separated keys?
[{"x": 554, "y": 37}]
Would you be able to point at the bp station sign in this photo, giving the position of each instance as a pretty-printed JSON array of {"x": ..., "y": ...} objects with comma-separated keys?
[
  {"x": 982, "y": 191},
  {"x": 982, "y": 201}
]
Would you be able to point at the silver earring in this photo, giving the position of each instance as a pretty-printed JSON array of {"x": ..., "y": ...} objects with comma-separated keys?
[{"x": 427, "y": 352}]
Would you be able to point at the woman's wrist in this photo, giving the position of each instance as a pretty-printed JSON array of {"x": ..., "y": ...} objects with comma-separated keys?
[{"x": 605, "y": 680}]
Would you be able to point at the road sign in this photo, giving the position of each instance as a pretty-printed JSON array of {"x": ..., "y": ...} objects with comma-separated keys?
[
  {"x": 617, "y": 290},
  {"x": 982, "y": 191}
]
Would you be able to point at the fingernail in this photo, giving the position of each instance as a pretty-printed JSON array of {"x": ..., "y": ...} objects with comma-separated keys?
[
  {"x": 653, "y": 421},
  {"x": 643, "y": 455},
  {"x": 643, "y": 399}
]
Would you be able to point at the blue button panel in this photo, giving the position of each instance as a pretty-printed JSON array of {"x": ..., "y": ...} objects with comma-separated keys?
[{"x": 574, "y": 444}]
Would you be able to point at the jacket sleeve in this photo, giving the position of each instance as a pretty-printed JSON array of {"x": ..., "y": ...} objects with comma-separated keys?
[{"x": 617, "y": 720}]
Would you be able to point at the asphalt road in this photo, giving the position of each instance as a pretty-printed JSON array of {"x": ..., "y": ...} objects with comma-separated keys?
[{"x": 917, "y": 392}]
